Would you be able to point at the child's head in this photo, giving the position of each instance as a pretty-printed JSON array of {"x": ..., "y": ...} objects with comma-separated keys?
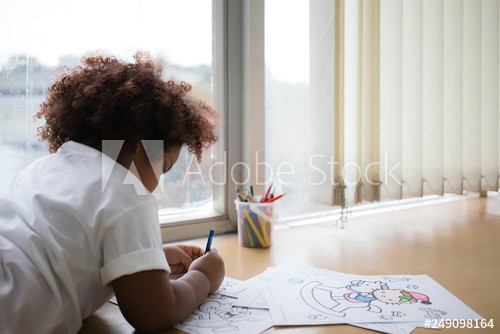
[{"x": 108, "y": 99}]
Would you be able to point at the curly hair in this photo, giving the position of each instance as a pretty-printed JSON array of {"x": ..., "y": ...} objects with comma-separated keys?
[{"x": 108, "y": 99}]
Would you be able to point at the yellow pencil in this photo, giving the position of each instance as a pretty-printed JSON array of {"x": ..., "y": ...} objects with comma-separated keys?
[
  {"x": 263, "y": 225},
  {"x": 255, "y": 229}
]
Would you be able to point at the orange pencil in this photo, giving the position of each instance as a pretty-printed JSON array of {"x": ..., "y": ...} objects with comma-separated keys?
[{"x": 275, "y": 198}]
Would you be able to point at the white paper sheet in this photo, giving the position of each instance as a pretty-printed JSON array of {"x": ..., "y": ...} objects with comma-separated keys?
[
  {"x": 231, "y": 287},
  {"x": 395, "y": 327},
  {"x": 219, "y": 314},
  {"x": 310, "y": 296},
  {"x": 255, "y": 298},
  {"x": 391, "y": 328}
]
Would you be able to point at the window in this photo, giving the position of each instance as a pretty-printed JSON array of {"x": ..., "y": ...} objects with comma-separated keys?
[
  {"x": 40, "y": 37},
  {"x": 399, "y": 100},
  {"x": 287, "y": 95}
]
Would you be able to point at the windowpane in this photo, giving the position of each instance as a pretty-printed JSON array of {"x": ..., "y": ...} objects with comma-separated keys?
[
  {"x": 38, "y": 37},
  {"x": 287, "y": 93},
  {"x": 300, "y": 104}
]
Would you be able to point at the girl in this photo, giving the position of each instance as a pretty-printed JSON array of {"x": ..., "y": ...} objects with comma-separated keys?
[{"x": 81, "y": 223}]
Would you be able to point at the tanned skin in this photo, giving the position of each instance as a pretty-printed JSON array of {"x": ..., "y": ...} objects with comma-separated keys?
[{"x": 149, "y": 300}]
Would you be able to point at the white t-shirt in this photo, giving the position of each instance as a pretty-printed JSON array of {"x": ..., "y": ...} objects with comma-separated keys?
[{"x": 69, "y": 225}]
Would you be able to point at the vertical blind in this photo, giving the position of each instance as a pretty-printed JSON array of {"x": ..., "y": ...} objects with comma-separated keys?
[{"x": 426, "y": 115}]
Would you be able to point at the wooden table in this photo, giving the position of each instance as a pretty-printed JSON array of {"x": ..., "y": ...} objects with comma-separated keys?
[{"x": 455, "y": 243}]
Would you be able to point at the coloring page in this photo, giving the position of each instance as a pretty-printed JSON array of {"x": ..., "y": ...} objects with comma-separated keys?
[
  {"x": 307, "y": 296},
  {"x": 248, "y": 293},
  {"x": 269, "y": 272},
  {"x": 392, "y": 328},
  {"x": 389, "y": 327},
  {"x": 253, "y": 297},
  {"x": 290, "y": 270},
  {"x": 218, "y": 313},
  {"x": 231, "y": 287}
]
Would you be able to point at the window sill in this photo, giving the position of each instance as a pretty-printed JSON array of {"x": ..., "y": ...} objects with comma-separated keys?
[
  {"x": 370, "y": 208},
  {"x": 196, "y": 224},
  {"x": 192, "y": 216}
]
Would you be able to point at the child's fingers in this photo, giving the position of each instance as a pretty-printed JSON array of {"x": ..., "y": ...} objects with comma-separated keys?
[
  {"x": 193, "y": 251},
  {"x": 184, "y": 259},
  {"x": 177, "y": 269},
  {"x": 198, "y": 252}
]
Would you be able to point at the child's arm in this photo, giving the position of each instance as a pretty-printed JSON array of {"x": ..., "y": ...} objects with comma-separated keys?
[{"x": 151, "y": 302}]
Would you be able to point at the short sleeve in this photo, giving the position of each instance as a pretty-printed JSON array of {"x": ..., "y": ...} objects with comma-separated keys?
[{"x": 132, "y": 244}]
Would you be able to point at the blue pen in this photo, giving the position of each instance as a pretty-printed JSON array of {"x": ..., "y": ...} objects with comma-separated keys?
[{"x": 209, "y": 241}]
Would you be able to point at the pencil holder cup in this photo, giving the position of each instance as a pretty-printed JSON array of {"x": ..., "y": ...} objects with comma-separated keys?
[{"x": 255, "y": 224}]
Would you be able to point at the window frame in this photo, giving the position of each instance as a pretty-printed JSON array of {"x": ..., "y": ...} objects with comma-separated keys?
[{"x": 227, "y": 85}]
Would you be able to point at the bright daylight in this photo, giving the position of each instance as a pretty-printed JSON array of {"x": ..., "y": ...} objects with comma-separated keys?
[{"x": 249, "y": 166}]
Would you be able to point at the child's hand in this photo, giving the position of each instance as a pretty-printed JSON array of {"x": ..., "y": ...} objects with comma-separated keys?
[
  {"x": 150, "y": 301},
  {"x": 180, "y": 257},
  {"x": 212, "y": 265}
]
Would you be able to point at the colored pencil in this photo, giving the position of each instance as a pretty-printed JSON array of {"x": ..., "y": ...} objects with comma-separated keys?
[
  {"x": 249, "y": 234},
  {"x": 263, "y": 226},
  {"x": 267, "y": 193},
  {"x": 275, "y": 198},
  {"x": 250, "y": 221},
  {"x": 239, "y": 195},
  {"x": 209, "y": 241}
]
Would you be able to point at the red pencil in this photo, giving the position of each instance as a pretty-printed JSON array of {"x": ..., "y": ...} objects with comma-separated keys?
[
  {"x": 275, "y": 198},
  {"x": 267, "y": 193}
]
